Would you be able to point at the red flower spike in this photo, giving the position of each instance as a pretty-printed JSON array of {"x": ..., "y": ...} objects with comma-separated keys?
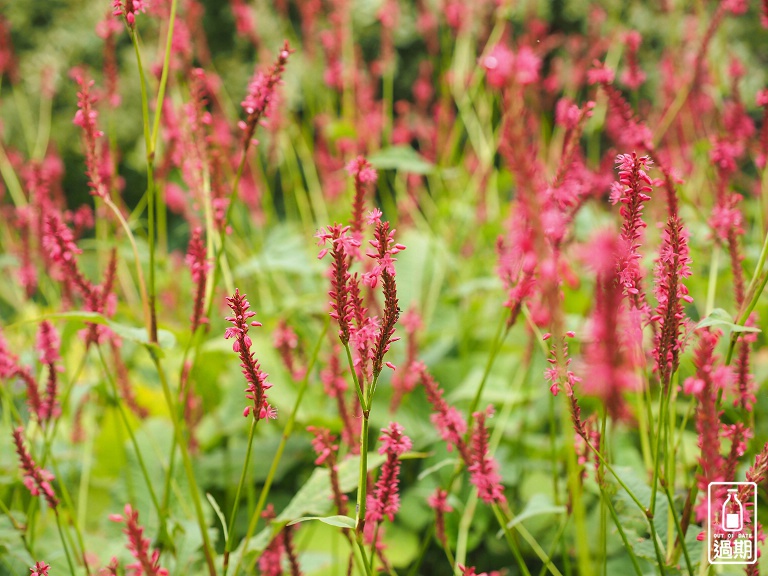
[
  {"x": 261, "y": 93},
  {"x": 439, "y": 501},
  {"x": 40, "y": 569},
  {"x": 342, "y": 247},
  {"x": 36, "y": 479},
  {"x": 146, "y": 564},
  {"x": 364, "y": 174},
  {"x": 199, "y": 267},
  {"x": 86, "y": 117},
  {"x": 129, "y": 9},
  {"x": 384, "y": 250},
  {"x": 484, "y": 468},
  {"x": 449, "y": 422},
  {"x": 385, "y": 500},
  {"x": 672, "y": 266},
  {"x": 257, "y": 380}
]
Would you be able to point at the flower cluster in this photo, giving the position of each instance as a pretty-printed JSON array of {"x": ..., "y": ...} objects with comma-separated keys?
[
  {"x": 560, "y": 375},
  {"x": 447, "y": 419},
  {"x": 199, "y": 267},
  {"x": 364, "y": 174},
  {"x": 484, "y": 468},
  {"x": 672, "y": 266},
  {"x": 326, "y": 448},
  {"x": 146, "y": 564},
  {"x": 439, "y": 502},
  {"x": 385, "y": 500},
  {"x": 86, "y": 117},
  {"x": 261, "y": 93},
  {"x": 632, "y": 190},
  {"x": 59, "y": 245},
  {"x": 384, "y": 268},
  {"x": 257, "y": 380},
  {"x": 129, "y": 9},
  {"x": 633, "y": 76},
  {"x": 371, "y": 336},
  {"x": 40, "y": 569},
  {"x": 36, "y": 479},
  {"x": 48, "y": 343},
  {"x": 343, "y": 245}
]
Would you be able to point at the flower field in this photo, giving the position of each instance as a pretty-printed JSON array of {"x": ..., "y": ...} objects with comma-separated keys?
[{"x": 359, "y": 287}]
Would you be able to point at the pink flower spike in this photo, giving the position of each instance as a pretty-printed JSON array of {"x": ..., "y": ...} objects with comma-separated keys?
[
  {"x": 129, "y": 9},
  {"x": 342, "y": 247},
  {"x": 147, "y": 564},
  {"x": 484, "y": 467},
  {"x": 385, "y": 500},
  {"x": 36, "y": 479},
  {"x": 199, "y": 267},
  {"x": 86, "y": 117},
  {"x": 600, "y": 74},
  {"x": 261, "y": 94},
  {"x": 48, "y": 343},
  {"x": 254, "y": 376},
  {"x": 374, "y": 216},
  {"x": 439, "y": 502},
  {"x": 39, "y": 569}
]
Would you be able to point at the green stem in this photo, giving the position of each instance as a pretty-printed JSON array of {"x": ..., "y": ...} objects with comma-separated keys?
[
  {"x": 361, "y": 549},
  {"x": 64, "y": 543},
  {"x": 356, "y": 382},
  {"x": 134, "y": 442},
  {"x": 12, "y": 183},
  {"x": 228, "y": 545},
  {"x": 679, "y": 528},
  {"x": 622, "y": 534},
  {"x": 501, "y": 332},
  {"x": 207, "y": 547},
  {"x": 281, "y": 447},
  {"x": 362, "y": 487},
  {"x": 621, "y": 483},
  {"x": 150, "y": 187},
  {"x": 163, "y": 77},
  {"x": 511, "y": 540}
]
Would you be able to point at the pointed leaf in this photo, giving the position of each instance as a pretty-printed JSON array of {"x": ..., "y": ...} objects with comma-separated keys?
[{"x": 338, "y": 521}]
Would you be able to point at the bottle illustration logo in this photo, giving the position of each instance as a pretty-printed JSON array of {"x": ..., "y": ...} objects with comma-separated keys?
[
  {"x": 733, "y": 512},
  {"x": 731, "y": 530}
]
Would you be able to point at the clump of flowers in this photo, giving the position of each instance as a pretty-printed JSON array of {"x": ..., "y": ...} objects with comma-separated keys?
[
  {"x": 364, "y": 175},
  {"x": 384, "y": 502},
  {"x": 40, "y": 569},
  {"x": 257, "y": 380},
  {"x": 86, "y": 117},
  {"x": 36, "y": 479},
  {"x": 129, "y": 9},
  {"x": 261, "y": 93},
  {"x": 147, "y": 564},
  {"x": 199, "y": 268},
  {"x": 633, "y": 191},
  {"x": 484, "y": 468}
]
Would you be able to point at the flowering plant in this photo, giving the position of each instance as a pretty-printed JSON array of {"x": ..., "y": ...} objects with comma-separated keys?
[{"x": 525, "y": 337}]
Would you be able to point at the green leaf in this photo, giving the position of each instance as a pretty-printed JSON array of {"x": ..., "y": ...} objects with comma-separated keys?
[
  {"x": 314, "y": 499},
  {"x": 720, "y": 318},
  {"x": 538, "y": 505},
  {"x": 219, "y": 514},
  {"x": 338, "y": 521},
  {"x": 402, "y": 158},
  {"x": 165, "y": 339},
  {"x": 435, "y": 467}
]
